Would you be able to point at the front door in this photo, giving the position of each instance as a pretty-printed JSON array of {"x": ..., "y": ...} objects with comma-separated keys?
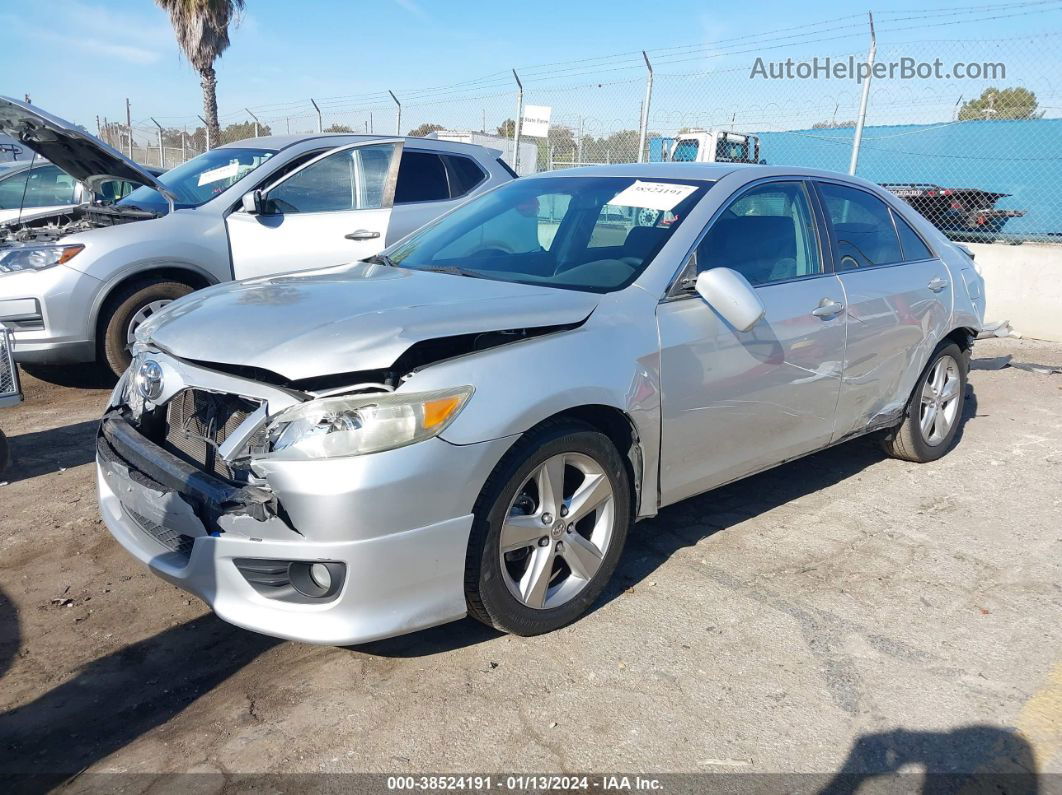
[
  {"x": 736, "y": 402},
  {"x": 332, "y": 210}
]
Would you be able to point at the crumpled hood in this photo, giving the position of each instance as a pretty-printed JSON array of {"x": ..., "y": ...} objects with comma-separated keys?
[
  {"x": 85, "y": 158},
  {"x": 349, "y": 318}
]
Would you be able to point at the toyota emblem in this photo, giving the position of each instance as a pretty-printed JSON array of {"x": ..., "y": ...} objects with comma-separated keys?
[{"x": 149, "y": 380}]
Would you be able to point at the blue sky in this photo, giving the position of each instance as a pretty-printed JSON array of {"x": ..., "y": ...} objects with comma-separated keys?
[{"x": 78, "y": 58}]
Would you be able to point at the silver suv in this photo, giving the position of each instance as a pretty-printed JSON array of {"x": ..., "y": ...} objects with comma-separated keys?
[
  {"x": 76, "y": 282},
  {"x": 470, "y": 422}
]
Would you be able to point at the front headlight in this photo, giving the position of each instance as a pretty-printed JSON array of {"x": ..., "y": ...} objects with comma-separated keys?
[
  {"x": 359, "y": 424},
  {"x": 36, "y": 258}
]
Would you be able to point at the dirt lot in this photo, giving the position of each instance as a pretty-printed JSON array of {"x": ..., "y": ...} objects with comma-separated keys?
[{"x": 846, "y": 612}]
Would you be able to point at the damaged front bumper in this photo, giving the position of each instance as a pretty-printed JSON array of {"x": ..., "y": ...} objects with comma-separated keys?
[{"x": 215, "y": 539}]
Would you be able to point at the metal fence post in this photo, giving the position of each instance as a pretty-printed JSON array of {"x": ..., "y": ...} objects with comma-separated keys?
[
  {"x": 206, "y": 131},
  {"x": 129, "y": 126},
  {"x": 255, "y": 121},
  {"x": 162, "y": 151},
  {"x": 184, "y": 146},
  {"x": 516, "y": 124},
  {"x": 398, "y": 116},
  {"x": 857, "y": 138},
  {"x": 319, "y": 128},
  {"x": 645, "y": 109}
]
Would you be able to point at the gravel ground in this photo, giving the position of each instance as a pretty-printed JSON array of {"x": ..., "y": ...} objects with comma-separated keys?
[{"x": 845, "y": 612}]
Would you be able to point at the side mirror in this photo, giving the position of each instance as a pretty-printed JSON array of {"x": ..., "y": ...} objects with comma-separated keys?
[
  {"x": 730, "y": 294},
  {"x": 253, "y": 202}
]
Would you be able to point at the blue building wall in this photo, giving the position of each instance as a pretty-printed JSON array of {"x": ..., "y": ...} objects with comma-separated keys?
[{"x": 1022, "y": 158}]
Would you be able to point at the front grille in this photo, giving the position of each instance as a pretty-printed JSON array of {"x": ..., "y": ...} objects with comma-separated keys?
[
  {"x": 8, "y": 385},
  {"x": 171, "y": 539},
  {"x": 198, "y": 422}
]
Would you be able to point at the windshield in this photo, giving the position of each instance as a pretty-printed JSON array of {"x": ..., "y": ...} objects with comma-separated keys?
[
  {"x": 200, "y": 179},
  {"x": 595, "y": 234}
]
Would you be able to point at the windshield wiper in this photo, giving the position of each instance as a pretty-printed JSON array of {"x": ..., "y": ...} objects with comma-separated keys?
[
  {"x": 381, "y": 259},
  {"x": 455, "y": 271}
]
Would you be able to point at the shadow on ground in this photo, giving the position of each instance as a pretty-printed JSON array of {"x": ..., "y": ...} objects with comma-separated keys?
[
  {"x": 114, "y": 700},
  {"x": 78, "y": 376},
  {"x": 977, "y": 758},
  {"x": 45, "y": 452}
]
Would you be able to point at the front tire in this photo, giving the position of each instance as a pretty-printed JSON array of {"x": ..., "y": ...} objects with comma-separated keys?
[
  {"x": 549, "y": 529},
  {"x": 934, "y": 411},
  {"x": 125, "y": 310}
]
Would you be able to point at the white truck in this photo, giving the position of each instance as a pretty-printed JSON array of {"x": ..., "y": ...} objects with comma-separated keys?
[{"x": 707, "y": 146}]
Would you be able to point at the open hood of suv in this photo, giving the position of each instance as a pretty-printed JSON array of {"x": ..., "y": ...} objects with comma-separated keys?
[{"x": 79, "y": 154}]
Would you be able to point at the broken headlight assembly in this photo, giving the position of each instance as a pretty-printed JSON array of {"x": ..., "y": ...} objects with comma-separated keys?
[
  {"x": 36, "y": 258},
  {"x": 359, "y": 424}
]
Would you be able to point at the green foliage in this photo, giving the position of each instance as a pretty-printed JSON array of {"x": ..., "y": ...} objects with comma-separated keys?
[
  {"x": 240, "y": 130},
  {"x": 1007, "y": 103},
  {"x": 338, "y": 128},
  {"x": 424, "y": 129}
]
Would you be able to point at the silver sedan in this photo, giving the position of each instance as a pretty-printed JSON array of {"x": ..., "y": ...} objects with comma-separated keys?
[{"x": 469, "y": 422}]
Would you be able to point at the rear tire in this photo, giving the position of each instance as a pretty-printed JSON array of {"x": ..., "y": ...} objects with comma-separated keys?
[
  {"x": 576, "y": 541},
  {"x": 124, "y": 310},
  {"x": 934, "y": 411}
]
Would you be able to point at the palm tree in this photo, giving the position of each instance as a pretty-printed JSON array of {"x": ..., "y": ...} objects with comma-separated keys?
[{"x": 202, "y": 28}]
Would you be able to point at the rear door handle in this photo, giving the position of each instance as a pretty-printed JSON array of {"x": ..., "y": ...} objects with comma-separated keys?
[
  {"x": 937, "y": 284},
  {"x": 362, "y": 234},
  {"x": 827, "y": 308}
]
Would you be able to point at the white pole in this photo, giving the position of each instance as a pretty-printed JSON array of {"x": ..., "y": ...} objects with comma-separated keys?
[
  {"x": 162, "y": 151},
  {"x": 398, "y": 115},
  {"x": 645, "y": 109},
  {"x": 857, "y": 139},
  {"x": 319, "y": 128},
  {"x": 255, "y": 121},
  {"x": 206, "y": 128},
  {"x": 518, "y": 125}
]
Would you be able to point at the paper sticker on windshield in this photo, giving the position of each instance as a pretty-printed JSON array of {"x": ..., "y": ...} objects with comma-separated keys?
[
  {"x": 220, "y": 173},
  {"x": 652, "y": 195}
]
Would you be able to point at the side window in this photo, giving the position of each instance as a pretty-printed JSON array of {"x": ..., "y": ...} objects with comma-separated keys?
[
  {"x": 11, "y": 190},
  {"x": 49, "y": 186},
  {"x": 766, "y": 234},
  {"x": 862, "y": 226},
  {"x": 464, "y": 174},
  {"x": 913, "y": 247},
  {"x": 421, "y": 178},
  {"x": 351, "y": 179}
]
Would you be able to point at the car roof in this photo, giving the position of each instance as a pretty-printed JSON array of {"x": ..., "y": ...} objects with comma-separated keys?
[
  {"x": 279, "y": 142},
  {"x": 702, "y": 171}
]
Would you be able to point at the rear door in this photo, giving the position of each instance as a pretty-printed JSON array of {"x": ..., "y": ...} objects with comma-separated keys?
[
  {"x": 334, "y": 209},
  {"x": 430, "y": 183},
  {"x": 898, "y": 295}
]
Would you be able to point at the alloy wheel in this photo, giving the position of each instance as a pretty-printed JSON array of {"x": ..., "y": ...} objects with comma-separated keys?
[
  {"x": 939, "y": 407},
  {"x": 557, "y": 530},
  {"x": 143, "y": 314}
]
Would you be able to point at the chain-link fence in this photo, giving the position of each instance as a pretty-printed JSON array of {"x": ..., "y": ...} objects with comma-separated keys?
[{"x": 968, "y": 130}]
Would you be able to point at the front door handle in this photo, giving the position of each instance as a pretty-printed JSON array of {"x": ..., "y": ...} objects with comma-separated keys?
[
  {"x": 936, "y": 284},
  {"x": 827, "y": 308},
  {"x": 362, "y": 234}
]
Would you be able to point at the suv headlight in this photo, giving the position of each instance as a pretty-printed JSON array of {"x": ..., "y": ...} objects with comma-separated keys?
[
  {"x": 36, "y": 258},
  {"x": 360, "y": 424}
]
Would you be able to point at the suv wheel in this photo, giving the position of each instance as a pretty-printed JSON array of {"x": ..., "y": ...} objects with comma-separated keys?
[
  {"x": 125, "y": 311},
  {"x": 550, "y": 527},
  {"x": 934, "y": 411}
]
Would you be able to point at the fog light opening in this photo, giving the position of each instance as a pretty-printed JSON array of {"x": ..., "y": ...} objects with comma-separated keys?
[{"x": 316, "y": 580}]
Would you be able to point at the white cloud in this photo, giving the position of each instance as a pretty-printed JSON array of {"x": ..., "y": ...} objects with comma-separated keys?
[{"x": 98, "y": 31}]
